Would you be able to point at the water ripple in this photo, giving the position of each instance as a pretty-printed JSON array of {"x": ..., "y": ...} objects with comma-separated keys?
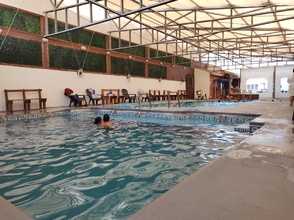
[{"x": 64, "y": 168}]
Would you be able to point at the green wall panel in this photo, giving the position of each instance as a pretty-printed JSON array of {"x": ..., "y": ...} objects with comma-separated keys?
[
  {"x": 20, "y": 20},
  {"x": 65, "y": 58},
  {"x": 82, "y": 36},
  {"x": 136, "y": 51},
  {"x": 124, "y": 66},
  {"x": 156, "y": 71},
  {"x": 18, "y": 51}
]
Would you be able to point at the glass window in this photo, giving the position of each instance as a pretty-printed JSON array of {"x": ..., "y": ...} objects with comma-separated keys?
[
  {"x": 284, "y": 86},
  {"x": 259, "y": 85}
]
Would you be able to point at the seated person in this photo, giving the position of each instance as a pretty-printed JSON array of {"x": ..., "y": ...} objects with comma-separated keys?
[
  {"x": 201, "y": 94},
  {"x": 106, "y": 123},
  {"x": 73, "y": 97}
]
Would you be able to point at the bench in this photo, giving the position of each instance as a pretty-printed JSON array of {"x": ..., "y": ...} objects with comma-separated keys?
[{"x": 23, "y": 96}]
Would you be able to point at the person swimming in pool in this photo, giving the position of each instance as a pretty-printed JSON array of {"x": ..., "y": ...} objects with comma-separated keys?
[
  {"x": 106, "y": 123},
  {"x": 98, "y": 121}
]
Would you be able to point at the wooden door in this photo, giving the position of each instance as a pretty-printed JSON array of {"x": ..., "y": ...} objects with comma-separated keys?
[{"x": 190, "y": 82}]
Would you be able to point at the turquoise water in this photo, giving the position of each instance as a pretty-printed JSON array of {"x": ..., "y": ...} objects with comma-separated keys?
[
  {"x": 183, "y": 103},
  {"x": 67, "y": 168}
]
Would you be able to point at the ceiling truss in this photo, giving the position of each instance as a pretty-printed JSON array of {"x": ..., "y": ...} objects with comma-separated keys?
[{"x": 229, "y": 36}]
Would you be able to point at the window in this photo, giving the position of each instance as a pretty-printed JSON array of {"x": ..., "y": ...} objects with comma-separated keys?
[
  {"x": 259, "y": 85},
  {"x": 284, "y": 86}
]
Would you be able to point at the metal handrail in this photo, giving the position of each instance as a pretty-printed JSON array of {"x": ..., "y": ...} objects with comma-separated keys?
[
  {"x": 139, "y": 99},
  {"x": 168, "y": 98}
]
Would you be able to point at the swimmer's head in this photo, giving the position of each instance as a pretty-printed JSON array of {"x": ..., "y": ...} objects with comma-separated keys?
[
  {"x": 97, "y": 120},
  {"x": 106, "y": 117}
]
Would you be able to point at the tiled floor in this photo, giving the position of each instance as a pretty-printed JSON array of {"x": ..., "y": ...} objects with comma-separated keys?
[{"x": 253, "y": 181}]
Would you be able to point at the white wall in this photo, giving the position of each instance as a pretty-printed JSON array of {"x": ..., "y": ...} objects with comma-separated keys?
[
  {"x": 202, "y": 81},
  {"x": 53, "y": 83},
  {"x": 268, "y": 73}
]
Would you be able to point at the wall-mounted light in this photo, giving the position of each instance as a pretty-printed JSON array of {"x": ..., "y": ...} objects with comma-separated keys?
[
  {"x": 128, "y": 76},
  {"x": 44, "y": 39},
  {"x": 107, "y": 52},
  {"x": 147, "y": 61},
  {"x": 130, "y": 57},
  {"x": 80, "y": 72},
  {"x": 161, "y": 63},
  {"x": 83, "y": 47}
]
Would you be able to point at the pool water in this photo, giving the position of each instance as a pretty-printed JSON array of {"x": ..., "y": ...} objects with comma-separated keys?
[
  {"x": 183, "y": 103},
  {"x": 68, "y": 168}
]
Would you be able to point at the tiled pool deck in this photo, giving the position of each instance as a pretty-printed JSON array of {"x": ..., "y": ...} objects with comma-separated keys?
[{"x": 255, "y": 180}]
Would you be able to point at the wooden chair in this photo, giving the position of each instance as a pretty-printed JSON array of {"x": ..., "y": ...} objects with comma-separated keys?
[{"x": 155, "y": 94}]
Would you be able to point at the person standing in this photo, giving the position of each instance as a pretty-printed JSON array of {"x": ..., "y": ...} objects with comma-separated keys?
[{"x": 291, "y": 87}]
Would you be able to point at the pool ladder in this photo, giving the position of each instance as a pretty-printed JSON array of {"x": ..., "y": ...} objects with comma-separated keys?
[
  {"x": 168, "y": 98},
  {"x": 140, "y": 94}
]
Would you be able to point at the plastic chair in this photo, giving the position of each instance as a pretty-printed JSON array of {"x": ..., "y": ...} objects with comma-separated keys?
[
  {"x": 127, "y": 96},
  {"x": 94, "y": 98},
  {"x": 74, "y": 98}
]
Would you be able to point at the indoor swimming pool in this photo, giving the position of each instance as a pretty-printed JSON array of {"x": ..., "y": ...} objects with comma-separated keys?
[{"x": 68, "y": 168}]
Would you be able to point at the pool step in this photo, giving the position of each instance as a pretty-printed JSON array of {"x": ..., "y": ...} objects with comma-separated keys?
[
  {"x": 250, "y": 127},
  {"x": 243, "y": 128}
]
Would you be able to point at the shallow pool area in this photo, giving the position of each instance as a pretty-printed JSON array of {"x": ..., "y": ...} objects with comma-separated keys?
[
  {"x": 182, "y": 104},
  {"x": 64, "y": 167}
]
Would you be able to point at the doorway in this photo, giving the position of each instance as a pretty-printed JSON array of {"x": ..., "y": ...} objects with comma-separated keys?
[{"x": 190, "y": 82}]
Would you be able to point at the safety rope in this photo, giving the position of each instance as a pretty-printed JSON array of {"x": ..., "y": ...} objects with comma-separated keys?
[
  {"x": 9, "y": 28},
  {"x": 88, "y": 50}
]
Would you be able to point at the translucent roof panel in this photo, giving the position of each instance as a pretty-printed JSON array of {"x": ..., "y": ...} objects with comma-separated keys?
[{"x": 257, "y": 30}]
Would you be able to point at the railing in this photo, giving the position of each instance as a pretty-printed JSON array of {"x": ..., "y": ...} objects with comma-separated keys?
[
  {"x": 140, "y": 94},
  {"x": 169, "y": 93},
  {"x": 168, "y": 98}
]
